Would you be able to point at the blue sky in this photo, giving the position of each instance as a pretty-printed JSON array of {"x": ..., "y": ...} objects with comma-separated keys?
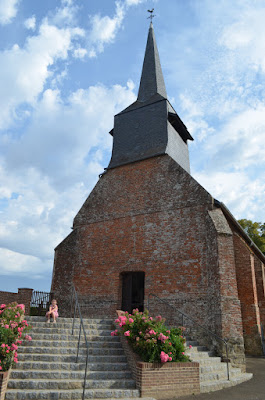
[{"x": 67, "y": 67}]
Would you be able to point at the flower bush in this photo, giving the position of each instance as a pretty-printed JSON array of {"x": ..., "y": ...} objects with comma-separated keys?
[
  {"x": 13, "y": 328},
  {"x": 150, "y": 338}
]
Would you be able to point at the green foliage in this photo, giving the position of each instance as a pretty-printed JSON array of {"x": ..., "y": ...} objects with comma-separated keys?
[
  {"x": 13, "y": 328},
  {"x": 256, "y": 231},
  {"x": 151, "y": 339}
]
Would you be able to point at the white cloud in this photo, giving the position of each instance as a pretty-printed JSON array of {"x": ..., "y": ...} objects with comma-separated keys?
[
  {"x": 8, "y": 11},
  {"x": 24, "y": 71},
  {"x": 17, "y": 264},
  {"x": 80, "y": 53},
  {"x": 104, "y": 29},
  {"x": 47, "y": 172},
  {"x": 30, "y": 23},
  {"x": 243, "y": 195}
]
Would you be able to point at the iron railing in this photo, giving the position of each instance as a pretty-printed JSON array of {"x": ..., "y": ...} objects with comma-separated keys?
[
  {"x": 40, "y": 301},
  {"x": 183, "y": 316},
  {"x": 75, "y": 306}
]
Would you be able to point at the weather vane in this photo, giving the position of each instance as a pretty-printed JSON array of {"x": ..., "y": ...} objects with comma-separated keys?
[{"x": 151, "y": 14}]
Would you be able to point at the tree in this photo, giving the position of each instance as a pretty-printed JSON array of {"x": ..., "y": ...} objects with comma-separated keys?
[{"x": 256, "y": 231}]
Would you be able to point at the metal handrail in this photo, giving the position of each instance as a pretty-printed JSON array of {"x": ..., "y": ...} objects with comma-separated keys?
[
  {"x": 75, "y": 304},
  {"x": 195, "y": 323}
]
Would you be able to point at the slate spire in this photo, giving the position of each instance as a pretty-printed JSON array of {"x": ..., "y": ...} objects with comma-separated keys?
[
  {"x": 150, "y": 126},
  {"x": 152, "y": 80}
]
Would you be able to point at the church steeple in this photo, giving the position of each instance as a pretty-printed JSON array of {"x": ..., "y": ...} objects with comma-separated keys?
[
  {"x": 150, "y": 126},
  {"x": 152, "y": 80}
]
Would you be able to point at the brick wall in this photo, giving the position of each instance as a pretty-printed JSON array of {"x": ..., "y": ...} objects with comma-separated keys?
[
  {"x": 22, "y": 297},
  {"x": 248, "y": 294},
  {"x": 4, "y": 376},
  {"x": 152, "y": 216},
  {"x": 163, "y": 381}
]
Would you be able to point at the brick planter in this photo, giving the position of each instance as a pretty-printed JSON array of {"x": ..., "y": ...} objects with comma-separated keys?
[
  {"x": 163, "y": 380},
  {"x": 4, "y": 376}
]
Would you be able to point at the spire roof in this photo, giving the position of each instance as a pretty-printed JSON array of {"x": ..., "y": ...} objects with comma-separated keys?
[{"x": 152, "y": 80}]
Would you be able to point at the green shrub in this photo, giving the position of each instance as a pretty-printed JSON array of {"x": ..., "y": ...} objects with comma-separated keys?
[
  {"x": 13, "y": 328},
  {"x": 150, "y": 338}
]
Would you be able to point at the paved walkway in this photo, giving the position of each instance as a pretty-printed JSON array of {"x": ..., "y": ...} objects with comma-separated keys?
[{"x": 254, "y": 389}]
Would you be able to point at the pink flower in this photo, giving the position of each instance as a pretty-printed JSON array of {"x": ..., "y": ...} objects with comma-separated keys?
[
  {"x": 127, "y": 333},
  {"x": 158, "y": 318},
  {"x": 21, "y": 306},
  {"x": 7, "y": 326},
  {"x": 117, "y": 320},
  {"x": 1, "y": 368},
  {"x": 164, "y": 357},
  {"x": 15, "y": 360},
  {"x": 190, "y": 346},
  {"x": 7, "y": 351},
  {"x": 15, "y": 316},
  {"x": 123, "y": 320},
  {"x": 140, "y": 332},
  {"x": 29, "y": 338},
  {"x": 131, "y": 320},
  {"x": 169, "y": 358},
  {"x": 152, "y": 332},
  {"x": 168, "y": 332},
  {"x": 151, "y": 318},
  {"x": 137, "y": 339},
  {"x": 114, "y": 333},
  {"x": 3, "y": 345},
  {"x": 2, "y": 306},
  {"x": 14, "y": 346},
  {"x": 162, "y": 337},
  {"x": 183, "y": 353}
]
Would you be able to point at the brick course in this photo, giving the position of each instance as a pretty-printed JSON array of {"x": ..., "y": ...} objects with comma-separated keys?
[{"x": 163, "y": 381}]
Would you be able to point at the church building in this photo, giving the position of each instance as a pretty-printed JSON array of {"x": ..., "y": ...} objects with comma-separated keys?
[{"x": 148, "y": 227}]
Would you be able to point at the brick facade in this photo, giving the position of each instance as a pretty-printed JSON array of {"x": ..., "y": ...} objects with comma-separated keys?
[
  {"x": 22, "y": 297},
  {"x": 152, "y": 216},
  {"x": 163, "y": 381}
]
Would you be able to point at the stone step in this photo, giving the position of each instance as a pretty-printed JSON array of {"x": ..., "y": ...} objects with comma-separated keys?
[
  {"x": 206, "y": 360},
  {"x": 67, "y": 375},
  {"x": 192, "y": 343},
  {"x": 17, "y": 394},
  {"x": 207, "y": 387},
  {"x": 41, "y": 384},
  {"x": 193, "y": 353},
  {"x": 220, "y": 375},
  {"x": 71, "y": 358},
  {"x": 42, "y": 365},
  {"x": 69, "y": 337},
  {"x": 65, "y": 325},
  {"x": 52, "y": 329},
  {"x": 33, "y": 319},
  {"x": 92, "y": 344},
  {"x": 71, "y": 350}
]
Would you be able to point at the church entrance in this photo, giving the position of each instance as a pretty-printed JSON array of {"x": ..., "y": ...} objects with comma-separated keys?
[{"x": 132, "y": 291}]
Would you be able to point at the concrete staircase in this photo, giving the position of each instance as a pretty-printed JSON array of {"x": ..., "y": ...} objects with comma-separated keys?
[
  {"x": 213, "y": 372},
  {"x": 47, "y": 368}
]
